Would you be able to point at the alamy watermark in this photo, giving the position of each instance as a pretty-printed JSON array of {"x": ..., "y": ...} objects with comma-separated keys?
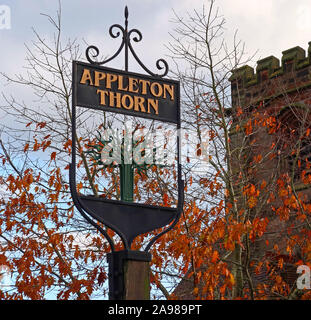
[
  {"x": 5, "y": 17},
  {"x": 303, "y": 281},
  {"x": 5, "y": 276},
  {"x": 159, "y": 147}
]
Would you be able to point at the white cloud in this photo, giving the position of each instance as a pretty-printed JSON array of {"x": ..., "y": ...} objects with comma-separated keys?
[{"x": 269, "y": 26}]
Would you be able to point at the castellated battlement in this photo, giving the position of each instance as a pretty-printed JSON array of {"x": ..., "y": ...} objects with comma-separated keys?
[{"x": 271, "y": 78}]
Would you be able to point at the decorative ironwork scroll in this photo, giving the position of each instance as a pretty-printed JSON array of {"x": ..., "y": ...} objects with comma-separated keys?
[{"x": 127, "y": 45}]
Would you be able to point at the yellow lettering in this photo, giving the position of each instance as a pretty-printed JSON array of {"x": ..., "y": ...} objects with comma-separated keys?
[
  {"x": 139, "y": 104},
  {"x": 109, "y": 79},
  {"x": 115, "y": 99},
  {"x": 169, "y": 89},
  {"x": 124, "y": 102},
  {"x": 154, "y": 104},
  {"x": 86, "y": 76},
  {"x": 102, "y": 96},
  {"x": 156, "y": 92},
  {"x": 97, "y": 77},
  {"x": 120, "y": 84},
  {"x": 144, "y": 86},
  {"x": 133, "y": 85}
]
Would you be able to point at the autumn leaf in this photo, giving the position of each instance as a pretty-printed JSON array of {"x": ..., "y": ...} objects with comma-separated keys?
[
  {"x": 79, "y": 186},
  {"x": 215, "y": 257},
  {"x": 41, "y": 125},
  {"x": 199, "y": 150},
  {"x": 53, "y": 155},
  {"x": 231, "y": 280},
  {"x": 101, "y": 278},
  {"x": 190, "y": 181},
  {"x": 165, "y": 199},
  {"x": 239, "y": 111},
  {"x": 252, "y": 201},
  {"x": 26, "y": 147},
  {"x": 263, "y": 184}
]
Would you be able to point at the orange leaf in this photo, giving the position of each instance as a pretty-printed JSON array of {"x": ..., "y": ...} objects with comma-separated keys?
[
  {"x": 26, "y": 147},
  {"x": 36, "y": 145},
  {"x": 195, "y": 291},
  {"x": 79, "y": 186},
  {"x": 165, "y": 199},
  {"x": 199, "y": 151},
  {"x": 53, "y": 155},
  {"x": 41, "y": 125},
  {"x": 215, "y": 257},
  {"x": 263, "y": 184},
  {"x": 252, "y": 201},
  {"x": 231, "y": 279},
  {"x": 190, "y": 181}
]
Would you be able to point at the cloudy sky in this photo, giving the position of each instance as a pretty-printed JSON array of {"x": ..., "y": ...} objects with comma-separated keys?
[{"x": 269, "y": 26}]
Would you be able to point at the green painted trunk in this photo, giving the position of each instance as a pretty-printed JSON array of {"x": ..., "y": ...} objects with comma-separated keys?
[{"x": 127, "y": 182}]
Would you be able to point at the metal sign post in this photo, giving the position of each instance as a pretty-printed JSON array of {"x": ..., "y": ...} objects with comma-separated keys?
[{"x": 152, "y": 97}]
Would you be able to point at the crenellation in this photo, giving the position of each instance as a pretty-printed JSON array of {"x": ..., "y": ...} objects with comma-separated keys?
[
  {"x": 243, "y": 75},
  {"x": 268, "y": 65},
  {"x": 294, "y": 65},
  {"x": 294, "y": 57}
]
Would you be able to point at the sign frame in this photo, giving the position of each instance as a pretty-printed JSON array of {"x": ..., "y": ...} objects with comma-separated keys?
[{"x": 127, "y": 219}]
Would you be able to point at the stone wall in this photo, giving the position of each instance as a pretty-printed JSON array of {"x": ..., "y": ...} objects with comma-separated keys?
[{"x": 272, "y": 79}]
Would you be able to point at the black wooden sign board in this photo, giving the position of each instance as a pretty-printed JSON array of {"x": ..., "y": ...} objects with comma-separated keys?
[{"x": 125, "y": 92}]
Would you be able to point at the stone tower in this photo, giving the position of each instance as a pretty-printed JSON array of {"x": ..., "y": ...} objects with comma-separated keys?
[{"x": 283, "y": 90}]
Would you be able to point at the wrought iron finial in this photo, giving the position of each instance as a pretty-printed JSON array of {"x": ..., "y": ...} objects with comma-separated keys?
[
  {"x": 126, "y": 14},
  {"x": 126, "y": 44}
]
